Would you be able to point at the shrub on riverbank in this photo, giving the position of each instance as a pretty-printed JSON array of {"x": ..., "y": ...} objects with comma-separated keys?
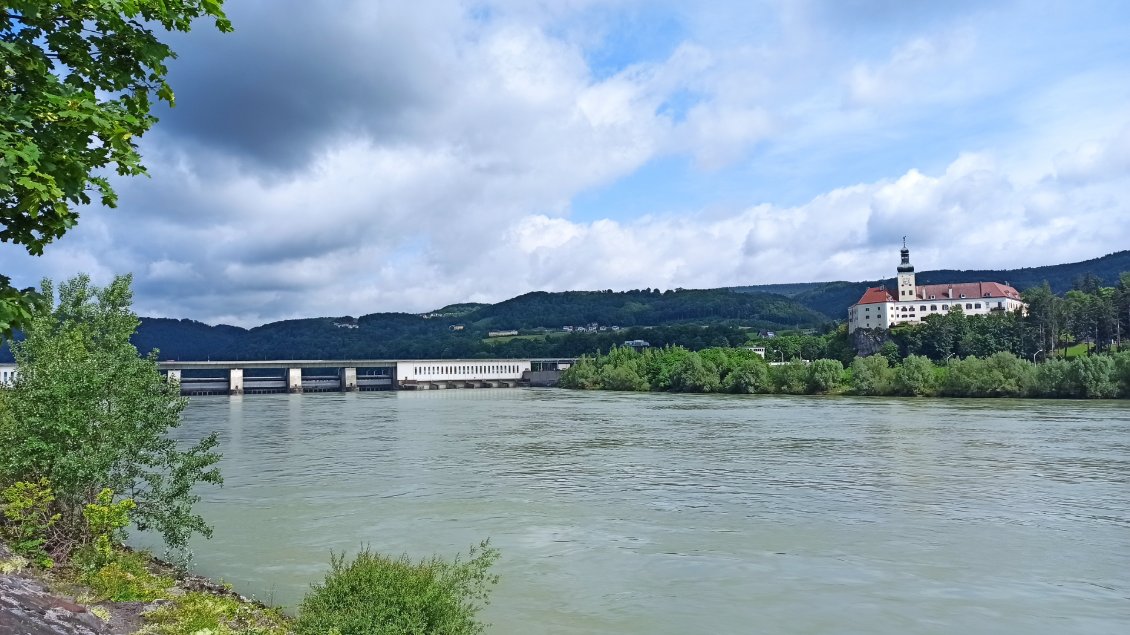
[
  {"x": 377, "y": 595},
  {"x": 676, "y": 369},
  {"x": 89, "y": 414}
]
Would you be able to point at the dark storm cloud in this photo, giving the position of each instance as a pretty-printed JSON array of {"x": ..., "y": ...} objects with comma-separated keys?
[{"x": 293, "y": 77}]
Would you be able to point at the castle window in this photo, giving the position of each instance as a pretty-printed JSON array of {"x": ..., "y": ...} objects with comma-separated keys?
[
  {"x": 922, "y": 308},
  {"x": 945, "y": 307},
  {"x": 963, "y": 296},
  {"x": 932, "y": 296},
  {"x": 968, "y": 305},
  {"x": 933, "y": 307},
  {"x": 977, "y": 306}
]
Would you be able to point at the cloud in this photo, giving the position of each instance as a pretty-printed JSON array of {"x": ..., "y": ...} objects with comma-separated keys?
[
  {"x": 921, "y": 69},
  {"x": 402, "y": 156}
]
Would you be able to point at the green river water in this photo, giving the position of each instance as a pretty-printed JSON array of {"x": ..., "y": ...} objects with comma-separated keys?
[{"x": 654, "y": 513}]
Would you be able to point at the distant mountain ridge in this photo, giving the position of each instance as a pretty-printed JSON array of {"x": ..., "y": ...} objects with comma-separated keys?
[
  {"x": 833, "y": 298},
  {"x": 462, "y": 330},
  {"x": 670, "y": 316}
]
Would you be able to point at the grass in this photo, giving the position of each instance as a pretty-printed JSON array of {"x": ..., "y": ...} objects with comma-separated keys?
[{"x": 195, "y": 613}]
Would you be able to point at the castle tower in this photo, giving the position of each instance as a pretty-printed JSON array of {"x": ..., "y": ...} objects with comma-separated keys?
[{"x": 906, "y": 275}]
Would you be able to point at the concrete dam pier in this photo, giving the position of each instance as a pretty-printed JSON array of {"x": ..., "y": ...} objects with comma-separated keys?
[{"x": 299, "y": 376}]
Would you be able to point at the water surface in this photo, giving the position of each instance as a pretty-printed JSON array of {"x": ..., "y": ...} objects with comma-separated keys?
[{"x": 651, "y": 513}]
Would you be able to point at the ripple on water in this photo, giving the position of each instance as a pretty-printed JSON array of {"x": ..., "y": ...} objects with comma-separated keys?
[{"x": 626, "y": 513}]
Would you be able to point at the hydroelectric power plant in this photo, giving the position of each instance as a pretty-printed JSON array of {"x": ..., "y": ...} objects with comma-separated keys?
[{"x": 298, "y": 376}]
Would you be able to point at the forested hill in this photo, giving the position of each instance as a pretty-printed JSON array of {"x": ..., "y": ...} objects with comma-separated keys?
[
  {"x": 674, "y": 316},
  {"x": 833, "y": 298}
]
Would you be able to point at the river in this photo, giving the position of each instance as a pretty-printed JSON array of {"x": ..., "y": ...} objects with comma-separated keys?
[{"x": 654, "y": 513}]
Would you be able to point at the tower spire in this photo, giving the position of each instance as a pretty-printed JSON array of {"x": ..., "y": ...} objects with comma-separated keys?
[{"x": 905, "y": 266}]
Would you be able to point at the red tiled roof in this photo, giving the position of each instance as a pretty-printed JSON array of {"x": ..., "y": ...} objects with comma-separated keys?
[
  {"x": 966, "y": 289},
  {"x": 875, "y": 295}
]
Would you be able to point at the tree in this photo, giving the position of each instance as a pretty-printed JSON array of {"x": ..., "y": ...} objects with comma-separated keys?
[
  {"x": 77, "y": 80},
  {"x": 88, "y": 413},
  {"x": 871, "y": 375},
  {"x": 691, "y": 374},
  {"x": 914, "y": 377},
  {"x": 825, "y": 375}
]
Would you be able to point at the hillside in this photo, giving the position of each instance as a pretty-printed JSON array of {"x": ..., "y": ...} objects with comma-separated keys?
[
  {"x": 690, "y": 317},
  {"x": 675, "y": 317},
  {"x": 833, "y": 298}
]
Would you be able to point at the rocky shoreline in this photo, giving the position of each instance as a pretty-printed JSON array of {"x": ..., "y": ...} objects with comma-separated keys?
[{"x": 30, "y": 603}]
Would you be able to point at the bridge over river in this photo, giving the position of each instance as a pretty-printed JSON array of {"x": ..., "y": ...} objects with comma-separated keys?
[{"x": 296, "y": 376}]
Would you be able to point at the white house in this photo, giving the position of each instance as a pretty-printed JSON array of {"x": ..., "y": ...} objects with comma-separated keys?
[
  {"x": 7, "y": 374},
  {"x": 878, "y": 308}
]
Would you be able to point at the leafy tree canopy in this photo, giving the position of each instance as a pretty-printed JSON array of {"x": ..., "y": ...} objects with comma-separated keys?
[
  {"x": 77, "y": 82},
  {"x": 88, "y": 413}
]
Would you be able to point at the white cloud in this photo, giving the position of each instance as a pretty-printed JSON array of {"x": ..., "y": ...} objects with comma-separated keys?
[
  {"x": 405, "y": 156},
  {"x": 921, "y": 69}
]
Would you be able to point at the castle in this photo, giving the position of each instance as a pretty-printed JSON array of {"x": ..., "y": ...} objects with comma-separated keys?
[{"x": 879, "y": 309}]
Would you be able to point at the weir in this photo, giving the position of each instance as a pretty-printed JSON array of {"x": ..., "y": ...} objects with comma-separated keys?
[{"x": 301, "y": 376}]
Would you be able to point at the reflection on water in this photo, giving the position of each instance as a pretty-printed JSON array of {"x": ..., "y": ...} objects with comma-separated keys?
[{"x": 629, "y": 513}]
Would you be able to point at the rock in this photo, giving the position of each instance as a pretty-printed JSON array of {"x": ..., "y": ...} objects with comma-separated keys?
[{"x": 27, "y": 609}]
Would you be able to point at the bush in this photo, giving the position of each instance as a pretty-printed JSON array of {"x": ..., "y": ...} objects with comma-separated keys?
[
  {"x": 748, "y": 376},
  {"x": 1091, "y": 377},
  {"x": 1050, "y": 379},
  {"x": 790, "y": 378},
  {"x": 871, "y": 375},
  {"x": 914, "y": 377},
  {"x": 196, "y": 613},
  {"x": 621, "y": 378},
  {"x": 691, "y": 374},
  {"x": 825, "y": 375},
  {"x": 1122, "y": 372},
  {"x": 377, "y": 595},
  {"x": 88, "y": 413},
  {"x": 582, "y": 375},
  {"x": 28, "y": 522},
  {"x": 126, "y": 578}
]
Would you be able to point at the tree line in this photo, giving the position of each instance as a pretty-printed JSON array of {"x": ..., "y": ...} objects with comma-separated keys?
[{"x": 741, "y": 371}]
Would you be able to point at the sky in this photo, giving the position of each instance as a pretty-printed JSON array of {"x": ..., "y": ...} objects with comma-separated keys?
[{"x": 360, "y": 156}]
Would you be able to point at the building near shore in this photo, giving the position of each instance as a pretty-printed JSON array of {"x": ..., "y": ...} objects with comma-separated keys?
[
  {"x": 7, "y": 374},
  {"x": 879, "y": 308}
]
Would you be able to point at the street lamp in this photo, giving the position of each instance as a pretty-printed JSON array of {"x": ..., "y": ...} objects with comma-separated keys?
[
  {"x": 1035, "y": 354},
  {"x": 782, "y": 354}
]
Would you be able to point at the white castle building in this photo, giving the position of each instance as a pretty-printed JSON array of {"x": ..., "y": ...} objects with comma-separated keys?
[{"x": 879, "y": 309}]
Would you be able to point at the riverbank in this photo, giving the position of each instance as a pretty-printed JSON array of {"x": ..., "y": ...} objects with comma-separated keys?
[{"x": 50, "y": 602}]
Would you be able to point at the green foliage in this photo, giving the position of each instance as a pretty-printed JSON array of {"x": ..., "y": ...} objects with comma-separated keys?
[
  {"x": 582, "y": 375},
  {"x": 374, "y": 594},
  {"x": 825, "y": 376},
  {"x": 124, "y": 578},
  {"x": 28, "y": 519},
  {"x": 871, "y": 375},
  {"x": 1122, "y": 373},
  {"x": 790, "y": 378},
  {"x": 748, "y": 376},
  {"x": 197, "y": 613},
  {"x": 1091, "y": 377},
  {"x": 75, "y": 96},
  {"x": 89, "y": 413},
  {"x": 914, "y": 377},
  {"x": 691, "y": 374},
  {"x": 621, "y": 378},
  {"x": 105, "y": 521}
]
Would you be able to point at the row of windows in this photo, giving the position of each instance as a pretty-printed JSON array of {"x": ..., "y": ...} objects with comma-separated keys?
[{"x": 477, "y": 369}]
